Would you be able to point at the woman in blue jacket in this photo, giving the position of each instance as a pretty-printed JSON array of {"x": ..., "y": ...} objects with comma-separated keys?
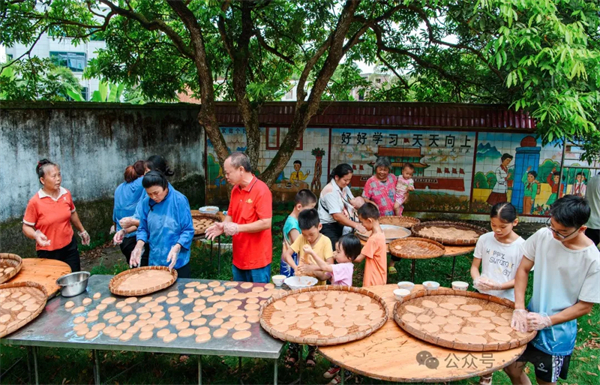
[
  {"x": 127, "y": 196},
  {"x": 165, "y": 224}
]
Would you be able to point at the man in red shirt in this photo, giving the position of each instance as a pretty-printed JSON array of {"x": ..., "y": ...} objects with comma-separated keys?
[{"x": 248, "y": 221}]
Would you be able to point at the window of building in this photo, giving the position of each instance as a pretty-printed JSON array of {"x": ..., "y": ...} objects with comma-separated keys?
[
  {"x": 75, "y": 61},
  {"x": 9, "y": 57},
  {"x": 275, "y": 136},
  {"x": 84, "y": 93}
]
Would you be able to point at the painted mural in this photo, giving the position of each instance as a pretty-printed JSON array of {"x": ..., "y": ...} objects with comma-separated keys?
[
  {"x": 307, "y": 168},
  {"x": 443, "y": 163},
  {"x": 455, "y": 171}
]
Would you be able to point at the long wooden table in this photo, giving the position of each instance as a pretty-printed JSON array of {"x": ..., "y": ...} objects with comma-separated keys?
[
  {"x": 43, "y": 271},
  {"x": 390, "y": 354}
]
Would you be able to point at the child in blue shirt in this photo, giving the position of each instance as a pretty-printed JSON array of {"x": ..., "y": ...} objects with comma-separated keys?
[{"x": 305, "y": 199}]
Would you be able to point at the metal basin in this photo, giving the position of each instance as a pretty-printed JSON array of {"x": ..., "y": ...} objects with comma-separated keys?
[{"x": 73, "y": 284}]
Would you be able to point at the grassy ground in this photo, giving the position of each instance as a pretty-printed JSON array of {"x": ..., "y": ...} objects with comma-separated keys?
[{"x": 75, "y": 366}]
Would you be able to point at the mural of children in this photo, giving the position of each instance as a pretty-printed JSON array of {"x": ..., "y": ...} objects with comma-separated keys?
[
  {"x": 532, "y": 188},
  {"x": 579, "y": 186},
  {"x": 553, "y": 180},
  {"x": 404, "y": 185},
  {"x": 498, "y": 194},
  {"x": 298, "y": 176}
]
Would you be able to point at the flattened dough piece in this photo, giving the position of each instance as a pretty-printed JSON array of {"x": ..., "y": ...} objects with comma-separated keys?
[
  {"x": 414, "y": 309},
  {"x": 500, "y": 336}
]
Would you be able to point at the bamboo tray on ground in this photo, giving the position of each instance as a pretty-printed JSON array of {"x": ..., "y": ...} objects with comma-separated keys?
[
  {"x": 20, "y": 303},
  {"x": 286, "y": 318},
  {"x": 203, "y": 221},
  {"x": 406, "y": 222},
  {"x": 142, "y": 274},
  {"x": 418, "y": 231},
  {"x": 416, "y": 248},
  {"x": 460, "y": 320},
  {"x": 10, "y": 265}
]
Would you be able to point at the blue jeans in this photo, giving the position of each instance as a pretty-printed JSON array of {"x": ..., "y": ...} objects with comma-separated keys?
[{"x": 262, "y": 275}]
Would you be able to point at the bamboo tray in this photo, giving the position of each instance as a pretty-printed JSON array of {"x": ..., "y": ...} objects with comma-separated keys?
[
  {"x": 286, "y": 318},
  {"x": 117, "y": 281},
  {"x": 416, "y": 248},
  {"x": 29, "y": 303},
  {"x": 460, "y": 320},
  {"x": 204, "y": 221},
  {"x": 406, "y": 233},
  {"x": 406, "y": 222},
  {"x": 417, "y": 230},
  {"x": 8, "y": 261}
]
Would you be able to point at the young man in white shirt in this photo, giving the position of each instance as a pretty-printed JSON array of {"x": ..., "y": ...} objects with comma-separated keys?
[{"x": 565, "y": 287}]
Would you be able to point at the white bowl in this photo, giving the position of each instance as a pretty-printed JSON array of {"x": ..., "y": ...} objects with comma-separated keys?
[
  {"x": 300, "y": 282},
  {"x": 401, "y": 293},
  {"x": 431, "y": 285},
  {"x": 460, "y": 285},
  {"x": 278, "y": 279},
  {"x": 209, "y": 209},
  {"x": 406, "y": 285}
]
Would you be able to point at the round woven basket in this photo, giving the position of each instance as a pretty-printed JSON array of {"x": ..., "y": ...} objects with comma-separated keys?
[
  {"x": 487, "y": 302},
  {"x": 36, "y": 291},
  {"x": 416, "y": 248},
  {"x": 406, "y": 234},
  {"x": 114, "y": 283},
  {"x": 10, "y": 260},
  {"x": 449, "y": 241},
  {"x": 197, "y": 215},
  {"x": 323, "y": 341},
  {"x": 406, "y": 222}
]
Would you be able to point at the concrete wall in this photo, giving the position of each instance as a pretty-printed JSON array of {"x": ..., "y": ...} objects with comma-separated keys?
[{"x": 92, "y": 143}]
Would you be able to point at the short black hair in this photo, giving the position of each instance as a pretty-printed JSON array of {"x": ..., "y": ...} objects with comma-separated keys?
[
  {"x": 351, "y": 246},
  {"x": 239, "y": 159},
  {"x": 505, "y": 156},
  {"x": 298, "y": 162},
  {"x": 532, "y": 173},
  {"x": 408, "y": 166},
  {"x": 158, "y": 163},
  {"x": 505, "y": 211},
  {"x": 155, "y": 178},
  {"x": 556, "y": 173},
  {"x": 369, "y": 211},
  {"x": 305, "y": 197},
  {"x": 571, "y": 211},
  {"x": 40, "y": 168},
  {"x": 307, "y": 219}
]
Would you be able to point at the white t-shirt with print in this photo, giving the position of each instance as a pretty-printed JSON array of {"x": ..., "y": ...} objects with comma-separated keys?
[
  {"x": 561, "y": 278},
  {"x": 499, "y": 261}
]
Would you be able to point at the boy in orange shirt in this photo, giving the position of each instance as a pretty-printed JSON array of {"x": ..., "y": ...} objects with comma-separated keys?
[{"x": 375, "y": 251}]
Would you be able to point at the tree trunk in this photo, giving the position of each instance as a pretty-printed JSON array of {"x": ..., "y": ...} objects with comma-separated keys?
[{"x": 305, "y": 110}]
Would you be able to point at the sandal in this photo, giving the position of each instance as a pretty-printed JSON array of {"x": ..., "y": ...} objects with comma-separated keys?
[
  {"x": 485, "y": 380},
  {"x": 291, "y": 359},
  {"x": 310, "y": 360}
]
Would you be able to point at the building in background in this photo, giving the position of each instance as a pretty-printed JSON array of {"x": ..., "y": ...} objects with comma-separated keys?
[{"x": 63, "y": 53}]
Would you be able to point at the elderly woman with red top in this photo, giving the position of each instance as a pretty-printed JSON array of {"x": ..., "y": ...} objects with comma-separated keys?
[
  {"x": 248, "y": 221},
  {"x": 48, "y": 218},
  {"x": 381, "y": 187}
]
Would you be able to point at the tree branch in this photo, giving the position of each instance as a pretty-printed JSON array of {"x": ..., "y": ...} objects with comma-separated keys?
[
  {"x": 263, "y": 43},
  {"x": 153, "y": 25}
]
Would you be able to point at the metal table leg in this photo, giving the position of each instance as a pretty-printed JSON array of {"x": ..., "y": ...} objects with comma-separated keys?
[
  {"x": 275, "y": 372},
  {"x": 35, "y": 365},
  {"x": 29, "y": 354},
  {"x": 412, "y": 271},
  {"x": 96, "y": 367},
  {"x": 453, "y": 265},
  {"x": 343, "y": 374},
  {"x": 199, "y": 370}
]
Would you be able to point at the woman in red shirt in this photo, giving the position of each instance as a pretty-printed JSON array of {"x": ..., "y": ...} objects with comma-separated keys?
[{"x": 48, "y": 218}]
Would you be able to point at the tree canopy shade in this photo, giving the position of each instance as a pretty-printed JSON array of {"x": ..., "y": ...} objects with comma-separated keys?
[{"x": 538, "y": 55}]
